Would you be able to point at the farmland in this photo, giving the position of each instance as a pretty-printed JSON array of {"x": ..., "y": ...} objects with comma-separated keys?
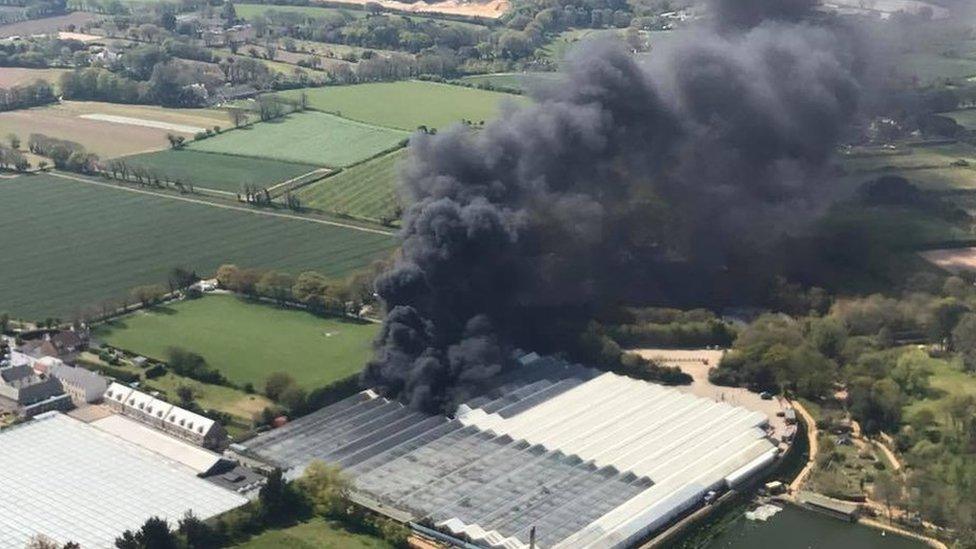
[
  {"x": 522, "y": 81},
  {"x": 314, "y": 534},
  {"x": 70, "y": 246},
  {"x": 218, "y": 171},
  {"x": 965, "y": 118},
  {"x": 310, "y": 137},
  {"x": 250, "y": 11},
  {"x": 78, "y": 121},
  {"x": 366, "y": 191},
  {"x": 233, "y": 336},
  {"x": 12, "y": 76},
  {"x": 46, "y": 24},
  {"x": 951, "y": 166},
  {"x": 407, "y": 105}
]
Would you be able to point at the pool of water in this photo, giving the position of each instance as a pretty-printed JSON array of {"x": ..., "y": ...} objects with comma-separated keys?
[{"x": 794, "y": 528}]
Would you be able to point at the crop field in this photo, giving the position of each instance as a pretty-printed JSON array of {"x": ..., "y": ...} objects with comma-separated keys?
[
  {"x": 69, "y": 246},
  {"x": 222, "y": 172},
  {"x": 314, "y": 534},
  {"x": 233, "y": 336},
  {"x": 366, "y": 190},
  {"x": 46, "y": 25},
  {"x": 309, "y": 137},
  {"x": 408, "y": 105},
  {"x": 88, "y": 123},
  {"x": 13, "y": 76}
]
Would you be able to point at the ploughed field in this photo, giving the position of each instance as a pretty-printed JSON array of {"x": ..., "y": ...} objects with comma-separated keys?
[
  {"x": 235, "y": 336},
  {"x": 68, "y": 246}
]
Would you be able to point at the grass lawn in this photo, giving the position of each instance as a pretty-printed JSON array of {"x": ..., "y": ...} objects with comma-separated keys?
[
  {"x": 219, "y": 171},
  {"x": 108, "y": 139},
  {"x": 69, "y": 246},
  {"x": 948, "y": 380},
  {"x": 931, "y": 67},
  {"x": 310, "y": 137},
  {"x": 317, "y": 533},
  {"x": 226, "y": 399},
  {"x": 407, "y": 105},
  {"x": 366, "y": 191},
  {"x": 247, "y": 341}
]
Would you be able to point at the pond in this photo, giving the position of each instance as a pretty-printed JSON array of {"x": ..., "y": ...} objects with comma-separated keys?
[{"x": 796, "y": 528}]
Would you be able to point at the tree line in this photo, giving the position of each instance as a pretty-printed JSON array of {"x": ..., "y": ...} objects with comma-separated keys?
[{"x": 26, "y": 96}]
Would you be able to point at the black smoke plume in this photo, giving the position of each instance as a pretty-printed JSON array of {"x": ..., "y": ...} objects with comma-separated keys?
[{"x": 628, "y": 181}]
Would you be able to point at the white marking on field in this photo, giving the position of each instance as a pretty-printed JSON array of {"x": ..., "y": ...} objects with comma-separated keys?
[{"x": 158, "y": 124}]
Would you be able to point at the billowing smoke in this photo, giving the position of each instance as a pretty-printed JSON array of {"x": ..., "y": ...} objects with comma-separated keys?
[{"x": 626, "y": 182}]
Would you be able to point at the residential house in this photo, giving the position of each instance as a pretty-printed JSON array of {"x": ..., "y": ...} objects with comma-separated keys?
[
  {"x": 83, "y": 386},
  {"x": 30, "y": 392}
]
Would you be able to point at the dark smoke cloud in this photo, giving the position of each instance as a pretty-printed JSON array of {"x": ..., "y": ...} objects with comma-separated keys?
[{"x": 627, "y": 181}]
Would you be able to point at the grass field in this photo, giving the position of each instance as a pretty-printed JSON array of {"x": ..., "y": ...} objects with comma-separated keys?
[
  {"x": 68, "y": 246},
  {"x": 947, "y": 381},
  {"x": 219, "y": 171},
  {"x": 934, "y": 168},
  {"x": 407, "y": 105},
  {"x": 107, "y": 139},
  {"x": 932, "y": 67},
  {"x": 314, "y": 534},
  {"x": 524, "y": 81},
  {"x": 965, "y": 118},
  {"x": 247, "y": 341},
  {"x": 250, "y": 11},
  {"x": 310, "y": 137},
  {"x": 366, "y": 190},
  {"x": 13, "y": 76},
  {"x": 46, "y": 24}
]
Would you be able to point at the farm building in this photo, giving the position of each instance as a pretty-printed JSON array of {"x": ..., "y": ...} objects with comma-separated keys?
[
  {"x": 94, "y": 484},
  {"x": 165, "y": 416},
  {"x": 583, "y": 458},
  {"x": 29, "y": 393}
]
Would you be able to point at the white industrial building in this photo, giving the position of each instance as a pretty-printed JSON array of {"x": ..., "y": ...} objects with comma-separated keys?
[
  {"x": 585, "y": 459},
  {"x": 71, "y": 481},
  {"x": 165, "y": 416}
]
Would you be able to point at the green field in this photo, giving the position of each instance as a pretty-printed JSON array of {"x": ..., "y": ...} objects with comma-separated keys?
[
  {"x": 365, "y": 191},
  {"x": 314, "y": 534},
  {"x": 234, "y": 336},
  {"x": 407, "y": 105},
  {"x": 964, "y": 117},
  {"x": 931, "y": 67},
  {"x": 523, "y": 81},
  {"x": 309, "y": 137},
  {"x": 218, "y": 171},
  {"x": 250, "y": 11},
  {"x": 937, "y": 168},
  {"x": 947, "y": 381},
  {"x": 68, "y": 246}
]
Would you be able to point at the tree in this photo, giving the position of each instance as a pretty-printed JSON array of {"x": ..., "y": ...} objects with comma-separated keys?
[
  {"x": 185, "y": 394},
  {"x": 180, "y": 278},
  {"x": 964, "y": 337},
  {"x": 888, "y": 490},
  {"x": 293, "y": 398},
  {"x": 149, "y": 294},
  {"x": 279, "y": 501},
  {"x": 276, "y": 383},
  {"x": 237, "y": 116},
  {"x": 946, "y": 314},
  {"x": 14, "y": 140},
  {"x": 327, "y": 489},
  {"x": 198, "y": 534},
  {"x": 154, "y": 534}
]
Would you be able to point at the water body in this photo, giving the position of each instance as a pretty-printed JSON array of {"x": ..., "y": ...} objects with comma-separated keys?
[{"x": 794, "y": 528}]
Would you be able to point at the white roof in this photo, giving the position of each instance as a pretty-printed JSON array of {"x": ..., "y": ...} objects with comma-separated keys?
[
  {"x": 173, "y": 415},
  {"x": 70, "y": 481},
  {"x": 194, "y": 457}
]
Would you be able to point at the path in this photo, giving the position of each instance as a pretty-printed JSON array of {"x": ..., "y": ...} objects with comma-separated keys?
[
  {"x": 812, "y": 434},
  {"x": 323, "y": 171},
  {"x": 223, "y": 206}
]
